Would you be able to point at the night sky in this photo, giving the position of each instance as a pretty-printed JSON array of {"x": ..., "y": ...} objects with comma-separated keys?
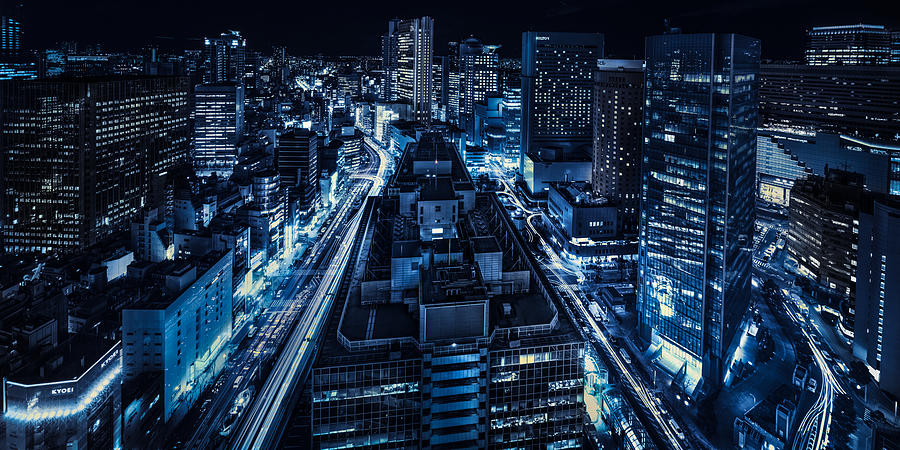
[{"x": 340, "y": 27}]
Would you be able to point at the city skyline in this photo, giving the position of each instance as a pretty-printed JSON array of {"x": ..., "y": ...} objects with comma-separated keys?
[{"x": 445, "y": 239}]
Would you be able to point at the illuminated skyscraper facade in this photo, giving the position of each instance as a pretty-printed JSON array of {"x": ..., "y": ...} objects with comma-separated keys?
[
  {"x": 848, "y": 45},
  {"x": 224, "y": 57},
  {"x": 697, "y": 205},
  {"x": 82, "y": 157},
  {"x": 410, "y": 74},
  {"x": 511, "y": 109},
  {"x": 298, "y": 163},
  {"x": 13, "y": 63},
  {"x": 616, "y": 170},
  {"x": 557, "y": 87},
  {"x": 218, "y": 122},
  {"x": 479, "y": 68}
]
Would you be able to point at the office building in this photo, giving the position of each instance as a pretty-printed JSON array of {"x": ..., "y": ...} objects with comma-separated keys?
[
  {"x": 114, "y": 141},
  {"x": 14, "y": 62},
  {"x": 68, "y": 397},
  {"x": 451, "y": 339},
  {"x": 835, "y": 116},
  {"x": 180, "y": 329},
  {"x": 824, "y": 226},
  {"x": 479, "y": 67},
  {"x": 877, "y": 291},
  {"x": 218, "y": 124},
  {"x": 488, "y": 130},
  {"x": 616, "y": 170},
  {"x": 389, "y": 61},
  {"x": 785, "y": 156},
  {"x": 224, "y": 58},
  {"x": 511, "y": 110},
  {"x": 557, "y": 90},
  {"x": 584, "y": 227},
  {"x": 848, "y": 45},
  {"x": 858, "y": 102},
  {"x": 697, "y": 200},
  {"x": 266, "y": 215},
  {"x": 296, "y": 155},
  {"x": 409, "y": 48},
  {"x": 11, "y": 31}
]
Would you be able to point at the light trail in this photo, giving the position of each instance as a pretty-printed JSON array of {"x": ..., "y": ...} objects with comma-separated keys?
[{"x": 259, "y": 427}]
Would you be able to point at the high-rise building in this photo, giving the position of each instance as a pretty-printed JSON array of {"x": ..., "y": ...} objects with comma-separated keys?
[
  {"x": 848, "y": 45},
  {"x": 82, "y": 157},
  {"x": 877, "y": 291},
  {"x": 389, "y": 61},
  {"x": 11, "y": 28},
  {"x": 452, "y": 76},
  {"x": 409, "y": 50},
  {"x": 824, "y": 227},
  {"x": 452, "y": 339},
  {"x": 479, "y": 67},
  {"x": 218, "y": 123},
  {"x": 224, "y": 58},
  {"x": 296, "y": 155},
  {"x": 14, "y": 64},
  {"x": 557, "y": 88},
  {"x": 511, "y": 109},
  {"x": 616, "y": 170},
  {"x": 697, "y": 200}
]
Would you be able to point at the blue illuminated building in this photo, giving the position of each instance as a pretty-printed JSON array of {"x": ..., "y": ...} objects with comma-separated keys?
[
  {"x": 218, "y": 122},
  {"x": 697, "y": 216},
  {"x": 557, "y": 92}
]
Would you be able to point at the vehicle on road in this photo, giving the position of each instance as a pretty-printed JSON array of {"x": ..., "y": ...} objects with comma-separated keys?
[
  {"x": 811, "y": 385},
  {"x": 625, "y": 355},
  {"x": 676, "y": 429}
]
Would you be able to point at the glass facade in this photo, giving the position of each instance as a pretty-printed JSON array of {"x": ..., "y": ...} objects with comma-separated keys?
[{"x": 700, "y": 119}]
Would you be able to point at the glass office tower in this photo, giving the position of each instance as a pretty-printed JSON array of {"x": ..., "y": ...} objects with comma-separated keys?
[{"x": 700, "y": 118}]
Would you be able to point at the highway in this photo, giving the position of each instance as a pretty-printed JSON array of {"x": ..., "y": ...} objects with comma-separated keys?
[
  {"x": 813, "y": 430},
  {"x": 291, "y": 297},
  {"x": 576, "y": 298},
  {"x": 260, "y": 427}
]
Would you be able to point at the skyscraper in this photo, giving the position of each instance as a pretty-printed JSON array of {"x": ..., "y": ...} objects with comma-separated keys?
[
  {"x": 697, "y": 199},
  {"x": 389, "y": 61},
  {"x": 413, "y": 66},
  {"x": 13, "y": 63},
  {"x": 224, "y": 57},
  {"x": 296, "y": 155},
  {"x": 848, "y": 45},
  {"x": 511, "y": 109},
  {"x": 218, "y": 123},
  {"x": 877, "y": 291},
  {"x": 618, "y": 102},
  {"x": 557, "y": 86},
  {"x": 479, "y": 68},
  {"x": 11, "y": 28},
  {"x": 81, "y": 157}
]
